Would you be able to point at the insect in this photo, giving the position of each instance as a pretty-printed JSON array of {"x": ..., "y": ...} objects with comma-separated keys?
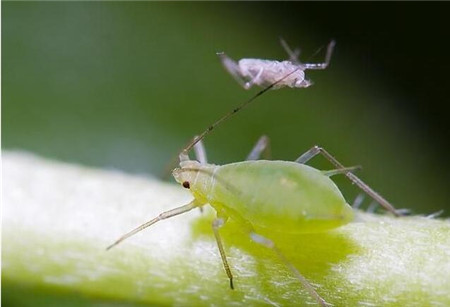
[
  {"x": 249, "y": 72},
  {"x": 284, "y": 196}
]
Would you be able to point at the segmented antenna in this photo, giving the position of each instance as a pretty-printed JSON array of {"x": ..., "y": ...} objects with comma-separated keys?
[{"x": 195, "y": 140}]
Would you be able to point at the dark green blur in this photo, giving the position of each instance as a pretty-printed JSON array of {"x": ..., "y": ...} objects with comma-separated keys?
[{"x": 126, "y": 85}]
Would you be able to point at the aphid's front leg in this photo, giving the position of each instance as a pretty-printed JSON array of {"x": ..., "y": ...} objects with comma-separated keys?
[
  {"x": 315, "y": 150},
  {"x": 269, "y": 244},
  {"x": 261, "y": 146},
  {"x": 165, "y": 215},
  {"x": 216, "y": 224},
  {"x": 233, "y": 68},
  {"x": 325, "y": 63}
]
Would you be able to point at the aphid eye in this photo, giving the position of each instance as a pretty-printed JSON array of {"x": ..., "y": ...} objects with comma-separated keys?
[{"x": 186, "y": 185}]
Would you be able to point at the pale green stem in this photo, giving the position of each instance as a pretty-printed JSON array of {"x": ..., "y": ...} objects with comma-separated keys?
[{"x": 59, "y": 218}]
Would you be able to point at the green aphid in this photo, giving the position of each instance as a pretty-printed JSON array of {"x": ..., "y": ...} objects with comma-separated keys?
[{"x": 280, "y": 196}]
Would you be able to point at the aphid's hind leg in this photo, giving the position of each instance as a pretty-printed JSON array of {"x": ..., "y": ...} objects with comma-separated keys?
[
  {"x": 315, "y": 150},
  {"x": 233, "y": 68},
  {"x": 200, "y": 152},
  {"x": 216, "y": 224},
  {"x": 261, "y": 146},
  {"x": 269, "y": 244},
  {"x": 325, "y": 63},
  {"x": 359, "y": 199},
  {"x": 247, "y": 227},
  {"x": 339, "y": 171},
  {"x": 293, "y": 55}
]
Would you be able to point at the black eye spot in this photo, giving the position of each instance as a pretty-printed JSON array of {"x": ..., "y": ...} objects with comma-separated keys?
[{"x": 186, "y": 185}]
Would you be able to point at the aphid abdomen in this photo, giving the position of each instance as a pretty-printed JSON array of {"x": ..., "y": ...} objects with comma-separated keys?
[{"x": 282, "y": 196}]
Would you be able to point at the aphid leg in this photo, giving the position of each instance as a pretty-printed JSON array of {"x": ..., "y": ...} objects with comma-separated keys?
[
  {"x": 269, "y": 244},
  {"x": 261, "y": 146},
  {"x": 372, "y": 207},
  {"x": 165, "y": 215},
  {"x": 254, "y": 80},
  {"x": 293, "y": 55},
  {"x": 358, "y": 201},
  {"x": 404, "y": 211},
  {"x": 315, "y": 150},
  {"x": 216, "y": 224},
  {"x": 327, "y": 59},
  {"x": 339, "y": 171},
  {"x": 434, "y": 215},
  {"x": 232, "y": 67},
  {"x": 200, "y": 152}
]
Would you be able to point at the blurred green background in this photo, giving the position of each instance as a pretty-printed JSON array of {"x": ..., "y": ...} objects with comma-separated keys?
[{"x": 125, "y": 85}]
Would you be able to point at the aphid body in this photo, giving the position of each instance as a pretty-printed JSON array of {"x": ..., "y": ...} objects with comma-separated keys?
[
  {"x": 266, "y": 72},
  {"x": 284, "y": 196},
  {"x": 249, "y": 71}
]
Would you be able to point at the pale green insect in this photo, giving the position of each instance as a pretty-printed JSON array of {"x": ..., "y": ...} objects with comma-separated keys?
[
  {"x": 264, "y": 193},
  {"x": 279, "y": 196}
]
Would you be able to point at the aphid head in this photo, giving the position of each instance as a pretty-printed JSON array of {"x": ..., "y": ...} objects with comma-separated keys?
[
  {"x": 186, "y": 173},
  {"x": 301, "y": 83}
]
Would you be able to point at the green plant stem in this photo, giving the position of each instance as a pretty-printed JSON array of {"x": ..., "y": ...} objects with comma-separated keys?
[{"x": 59, "y": 218}]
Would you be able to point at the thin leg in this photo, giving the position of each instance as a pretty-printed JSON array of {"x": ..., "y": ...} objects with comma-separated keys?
[
  {"x": 269, "y": 244},
  {"x": 165, "y": 215},
  {"x": 248, "y": 228},
  {"x": 434, "y": 215},
  {"x": 200, "y": 152},
  {"x": 233, "y": 68},
  {"x": 339, "y": 171},
  {"x": 358, "y": 201},
  {"x": 377, "y": 197},
  {"x": 372, "y": 207},
  {"x": 327, "y": 59},
  {"x": 261, "y": 146},
  {"x": 217, "y": 223},
  {"x": 293, "y": 55},
  {"x": 254, "y": 80}
]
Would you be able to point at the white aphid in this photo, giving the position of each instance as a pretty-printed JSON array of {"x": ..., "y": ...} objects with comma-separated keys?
[{"x": 249, "y": 72}]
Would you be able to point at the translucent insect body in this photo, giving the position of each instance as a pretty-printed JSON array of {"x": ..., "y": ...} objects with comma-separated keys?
[
  {"x": 249, "y": 72},
  {"x": 289, "y": 197}
]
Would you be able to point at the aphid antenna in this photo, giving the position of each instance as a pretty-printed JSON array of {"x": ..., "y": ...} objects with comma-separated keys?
[{"x": 184, "y": 153}]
